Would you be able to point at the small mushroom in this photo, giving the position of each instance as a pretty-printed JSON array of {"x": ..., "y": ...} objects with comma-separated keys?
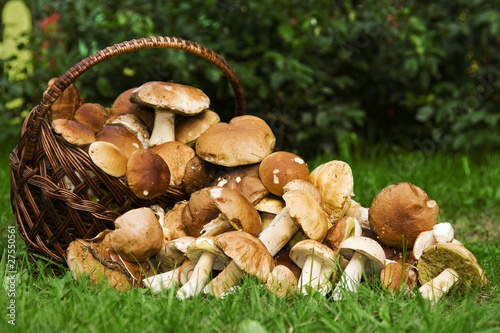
[
  {"x": 344, "y": 228},
  {"x": 189, "y": 129},
  {"x": 138, "y": 235},
  {"x": 207, "y": 256},
  {"x": 446, "y": 265},
  {"x": 317, "y": 262},
  {"x": 148, "y": 176},
  {"x": 93, "y": 115},
  {"x": 244, "y": 140},
  {"x": 400, "y": 212},
  {"x": 282, "y": 281},
  {"x": 108, "y": 158},
  {"x": 398, "y": 276},
  {"x": 335, "y": 183},
  {"x": 173, "y": 253},
  {"x": 440, "y": 233},
  {"x": 169, "y": 99},
  {"x": 248, "y": 254},
  {"x": 173, "y": 227},
  {"x": 123, "y": 105},
  {"x": 360, "y": 213},
  {"x": 364, "y": 254},
  {"x": 214, "y": 210},
  {"x": 279, "y": 168},
  {"x": 133, "y": 124},
  {"x": 199, "y": 174}
]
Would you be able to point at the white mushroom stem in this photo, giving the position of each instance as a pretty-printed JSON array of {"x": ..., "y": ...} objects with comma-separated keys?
[
  {"x": 436, "y": 288},
  {"x": 324, "y": 286},
  {"x": 215, "y": 227},
  {"x": 228, "y": 278},
  {"x": 279, "y": 232},
  {"x": 163, "y": 130},
  {"x": 443, "y": 232},
  {"x": 199, "y": 276},
  {"x": 162, "y": 281},
  {"x": 351, "y": 277},
  {"x": 311, "y": 274},
  {"x": 274, "y": 237}
]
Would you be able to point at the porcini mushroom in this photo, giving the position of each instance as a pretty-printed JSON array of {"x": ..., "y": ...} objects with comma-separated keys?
[
  {"x": 189, "y": 129},
  {"x": 108, "y": 158},
  {"x": 173, "y": 253},
  {"x": 364, "y": 255},
  {"x": 169, "y": 99},
  {"x": 279, "y": 168},
  {"x": 93, "y": 115},
  {"x": 445, "y": 265},
  {"x": 176, "y": 155},
  {"x": 207, "y": 256},
  {"x": 441, "y": 233},
  {"x": 248, "y": 254},
  {"x": 74, "y": 132},
  {"x": 244, "y": 140},
  {"x": 335, "y": 183},
  {"x": 138, "y": 235},
  {"x": 317, "y": 262},
  {"x": 402, "y": 210},
  {"x": 398, "y": 276},
  {"x": 148, "y": 176},
  {"x": 123, "y": 105}
]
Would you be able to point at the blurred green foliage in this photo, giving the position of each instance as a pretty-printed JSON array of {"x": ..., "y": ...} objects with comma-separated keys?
[{"x": 326, "y": 75}]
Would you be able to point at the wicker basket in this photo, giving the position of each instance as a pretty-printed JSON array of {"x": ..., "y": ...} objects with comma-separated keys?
[{"x": 49, "y": 215}]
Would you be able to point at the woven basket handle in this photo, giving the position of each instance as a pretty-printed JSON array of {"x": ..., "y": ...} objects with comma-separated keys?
[{"x": 38, "y": 113}]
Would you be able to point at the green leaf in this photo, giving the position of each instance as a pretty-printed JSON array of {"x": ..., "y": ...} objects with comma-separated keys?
[{"x": 286, "y": 31}]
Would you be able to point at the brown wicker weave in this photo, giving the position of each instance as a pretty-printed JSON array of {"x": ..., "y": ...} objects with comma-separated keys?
[{"x": 49, "y": 215}]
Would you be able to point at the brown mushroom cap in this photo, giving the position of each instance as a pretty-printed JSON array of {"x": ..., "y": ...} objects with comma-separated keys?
[
  {"x": 177, "y": 98},
  {"x": 436, "y": 259},
  {"x": 402, "y": 210},
  {"x": 245, "y": 180},
  {"x": 65, "y": 105},
  {"x": 176, "y": 155},
  {"x": 126, "y": 142},
  {"x": 199, "y": 210},
  {"x": 173, "y": 222},
  {"x": 397, "y": 276},
  {"x": 138, "y": 235},
  {"x": 199, "y": 174},
  {"x": 238, "y": 211},
  {"x": 148, "y": 176},
  {"x": 108, "y": 158},
  {"x": 189, "y": 129},
  {"x": 133, "y": 124},
  {"x": 244, "y": 140},
  {"x": 93, "y": 115},
  {"x": 74, "y": 132},
  {"x": 307, "y": 213},
  {"x": 299, "y": 184},
  {"x": 248, "y": 252},
  {"x": 282, "y": 281},
  {"x": 281, "y": 167}
]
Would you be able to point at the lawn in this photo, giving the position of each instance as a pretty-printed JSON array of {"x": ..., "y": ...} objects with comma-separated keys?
[{"x": 465, "y": 187}]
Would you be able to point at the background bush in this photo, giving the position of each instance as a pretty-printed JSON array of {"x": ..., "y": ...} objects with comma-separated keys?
[{"x": 328, "y": 76}]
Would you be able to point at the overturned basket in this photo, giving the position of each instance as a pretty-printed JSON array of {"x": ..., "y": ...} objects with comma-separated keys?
[{"x": 48, "y": 214}]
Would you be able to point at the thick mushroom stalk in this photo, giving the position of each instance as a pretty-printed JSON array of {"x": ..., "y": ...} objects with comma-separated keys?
[
  {"x": 360, "y": 251},
  {"x": 161, "y": 281},
  {"x": 316, "y": 260},
  {"x": 169, "y": 99},
  {"x": 436, "y": 288},
  {"x": 445, "y": 265},
  {"x": 216, "y": 226},
  {"x": 207, "y": 256}
]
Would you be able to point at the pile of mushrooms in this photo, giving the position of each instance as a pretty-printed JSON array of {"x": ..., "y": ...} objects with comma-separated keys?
[{"x": 251, "y": 210}]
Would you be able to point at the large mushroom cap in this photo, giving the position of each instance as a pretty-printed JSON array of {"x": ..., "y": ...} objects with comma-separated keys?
[
  {"x": 74, "y": 132},
  {"x": 176, "y": 155},
  {"x": 138, "y": 235},
  {"x": 148, "y": 176},
  {"x": 244, "y": 140},
  {"x": 402, "y": 210},
  {"x": 248, "y": 252},
  {"x": 189, "y": 129},
  {"x": 177, "y": 98},
  {"x": 281, "y": 167},
  {"x": 436, "y": 259}
]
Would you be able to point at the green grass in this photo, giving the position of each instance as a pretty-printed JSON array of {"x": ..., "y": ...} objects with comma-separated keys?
[{"x": 465, "y": 188}]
